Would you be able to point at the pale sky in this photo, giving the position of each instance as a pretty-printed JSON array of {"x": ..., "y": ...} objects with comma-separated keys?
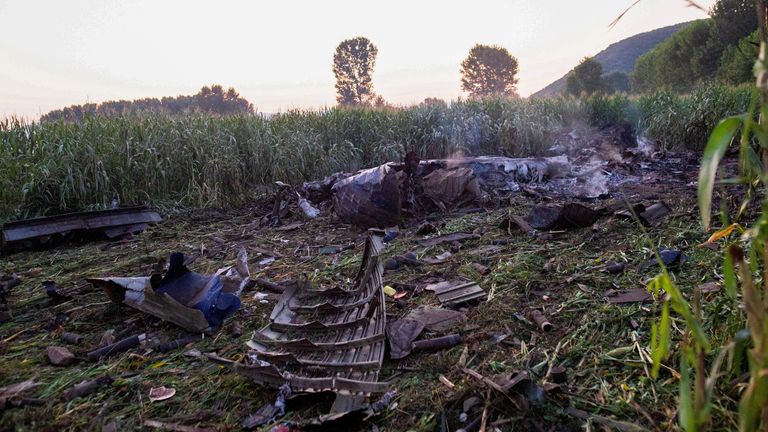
[{"x": 278, "y": 54}]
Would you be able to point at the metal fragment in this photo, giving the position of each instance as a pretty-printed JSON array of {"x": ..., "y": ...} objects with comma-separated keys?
[
  {"x": 325, "y": 340},
  {"x": 112, "y": 223},
  {"x": 451, "y": 293}
]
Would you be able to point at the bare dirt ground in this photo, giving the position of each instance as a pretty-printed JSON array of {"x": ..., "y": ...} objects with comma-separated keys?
[{"x": 603, "y": 347}]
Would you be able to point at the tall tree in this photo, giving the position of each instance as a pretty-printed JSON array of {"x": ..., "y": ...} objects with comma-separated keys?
[
  {"x": 616, "y": 82},
  {"x": 489, "y": 70},
  {"x": 738, "y": 61},
  {"x": 353, "y": 64},
  {"x": 586, "y": 78}
]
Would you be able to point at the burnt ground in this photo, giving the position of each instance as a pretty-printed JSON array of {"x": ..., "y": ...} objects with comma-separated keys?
[{"x": 602, "y": 346}]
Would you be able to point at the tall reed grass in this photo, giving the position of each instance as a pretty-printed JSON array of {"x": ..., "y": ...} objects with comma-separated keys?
[{"x": 54, "y": 167}]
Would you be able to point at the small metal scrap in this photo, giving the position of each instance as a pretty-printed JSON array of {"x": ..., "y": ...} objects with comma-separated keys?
[
  {"x": 541, "y": 320},
  {"x": 451, "y": 294},
  {"x": 636, "y": 295}
]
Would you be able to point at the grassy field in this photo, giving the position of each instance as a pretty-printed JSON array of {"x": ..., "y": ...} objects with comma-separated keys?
[
  {"x": 602, "y": 346},
  {"x": 203, "y": 161}
]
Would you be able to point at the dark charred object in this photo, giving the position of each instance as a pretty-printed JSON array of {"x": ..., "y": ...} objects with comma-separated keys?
[
  {"x": 46, "y": 231},
  {"x": 117, "y": 347},
  {"x": 571, "y": 215}
]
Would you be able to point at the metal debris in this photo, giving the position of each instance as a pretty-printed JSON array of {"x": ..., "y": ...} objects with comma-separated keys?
[
  {"x": 541, "y": 320},
  {"x": 448, "y": 238},
  {"x": 188, "y": 299},
  {"x": 452, "y": 293},
  {"x": 84, "y": 388},
  {"x": 370, "y": 198},
  {"x": 654, "y": 214},
  {"x": 436, "y": 319},
  {"x": 44, "y": 231},
  {"x": 325, "y": 340},
  {"x": 635, "y": 295},
  {"x": 436, "y": 344},
  {"x": 71, "y": 338},
  {"x": 117, "y": 347},
  {"x": 401, "y": 334},
  {"x": 571, "y": 215}
]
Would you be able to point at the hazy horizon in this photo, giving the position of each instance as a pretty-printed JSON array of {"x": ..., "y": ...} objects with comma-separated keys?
[{"x": 278, "y": 55}]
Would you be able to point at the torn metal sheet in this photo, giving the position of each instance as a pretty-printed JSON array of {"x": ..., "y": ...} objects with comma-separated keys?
[
  {"x": 453, "y": 293},
  {"x": 654, "y": 214},
  {"x": 40, "y": 231},
  {"x": 185, "y": 298},
  {"x": 635, "y": 295},
  {"x": 436, "y": 319},
  {"x": 137, "y": 292},
  {"x": 401, "y": 334},
  {"x": 325, "y": 340},
  {"x": 370, "y": 198},
  {"x": 502, "y": 174},
  {"x": 451, "y": 187}
]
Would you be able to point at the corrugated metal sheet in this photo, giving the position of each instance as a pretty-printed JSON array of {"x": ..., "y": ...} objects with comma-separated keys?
[{"x": 325, "y": 340}]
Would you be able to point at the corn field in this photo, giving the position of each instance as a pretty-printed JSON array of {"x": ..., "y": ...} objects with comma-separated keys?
[{"x": 55, "y": 167}]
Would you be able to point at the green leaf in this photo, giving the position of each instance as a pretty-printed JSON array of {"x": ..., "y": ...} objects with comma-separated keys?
[
  {"x": 729, "y": 276},
  {"x": 686, "y": 414},
  {"x": 718, "y": 143},
  {"x": 660, "y": 340}
]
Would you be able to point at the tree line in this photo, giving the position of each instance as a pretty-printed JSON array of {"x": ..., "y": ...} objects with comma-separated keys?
[
  {"x": 209, "y": 100},
  {"x": 722, "y": 48},
  {"x": 487, "y": 70}
]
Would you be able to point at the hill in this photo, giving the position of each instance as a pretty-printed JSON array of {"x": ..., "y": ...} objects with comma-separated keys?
[{"x": 620, "y": 56}]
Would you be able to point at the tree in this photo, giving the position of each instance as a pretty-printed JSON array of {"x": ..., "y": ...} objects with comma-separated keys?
[
  {"x": 586, "y": 78},
  {"x": 678, "y": 63},
  {"x": 738, "y": 60},
  {"x": 489, "y": 70},
  {"x": 353, "y": 64},
  {"x": 616, "y": 82},
  {"x": 733, "y": 20}
]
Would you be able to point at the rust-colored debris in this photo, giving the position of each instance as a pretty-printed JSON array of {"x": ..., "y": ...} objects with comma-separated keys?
[
  {"x": 325, "y": 340},
  {"x": 635, "y": 295},
  {"x": 111, "y": 223}
]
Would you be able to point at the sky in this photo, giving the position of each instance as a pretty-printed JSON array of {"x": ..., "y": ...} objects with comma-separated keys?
[{"x": 278, "y": 54}]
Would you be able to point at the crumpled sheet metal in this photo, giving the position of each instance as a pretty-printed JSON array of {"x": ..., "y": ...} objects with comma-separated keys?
[
  {"x": 137, "y": 292},
  {"x": 190, "y": 300},
  {"x": 369, "y": 198},
  {"x": 448, "y": 187},
  {"x": 498, "y": 173},
  {"x": 325, "y": 340}
]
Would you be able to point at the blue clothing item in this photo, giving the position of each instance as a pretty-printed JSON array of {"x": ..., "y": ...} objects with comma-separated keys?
[{"x": 197, "y": 291}]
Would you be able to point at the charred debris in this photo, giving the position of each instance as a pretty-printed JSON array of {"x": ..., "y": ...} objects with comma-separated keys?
[{"x": 321, "y": 340}]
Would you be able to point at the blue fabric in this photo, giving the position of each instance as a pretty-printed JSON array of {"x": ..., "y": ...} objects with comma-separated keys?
[{"x": 184, "y": 286}]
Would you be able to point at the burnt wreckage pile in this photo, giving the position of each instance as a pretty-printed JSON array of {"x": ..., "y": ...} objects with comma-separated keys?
[
  {"x": 325, "y": 340},
  {"x": 382, "y": 196}
]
